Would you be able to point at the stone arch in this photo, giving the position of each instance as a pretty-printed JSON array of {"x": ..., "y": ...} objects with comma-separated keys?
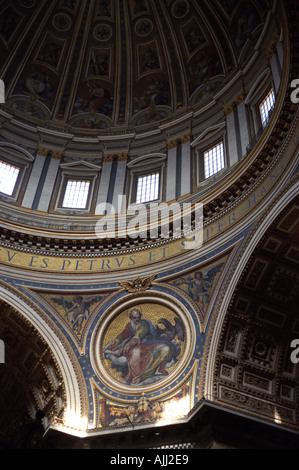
[
  {"x": 72, "y": 413},
  {"x": 254, "y": 238}
]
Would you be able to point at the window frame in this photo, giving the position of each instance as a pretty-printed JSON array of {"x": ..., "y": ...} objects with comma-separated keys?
[
  {"x": 259, "y": 91},
  {"x": 15, "y": 156},
  {"x": 74, "y": 180},
  {"x": 256, "y": 96},
  {"x": 205, "y": 147},
  {"x": 73, "y": 176},
  {"x": 144, "y": 175},
  {"x": 14, "y": 189},
  {"x": 144, "y": 168},
  {"x": 209, "y": 149},
  {"x": 265, "y": 96},
  {"x": 136, "y": 174}
]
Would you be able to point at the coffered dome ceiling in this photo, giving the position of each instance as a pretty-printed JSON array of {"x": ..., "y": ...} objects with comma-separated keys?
[{"x": 104, "y": 64}]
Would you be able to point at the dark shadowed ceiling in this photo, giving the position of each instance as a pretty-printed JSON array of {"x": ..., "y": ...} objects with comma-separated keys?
[
  {"x": 261, "y": 323},
  {"x": 98, "y": 64}
]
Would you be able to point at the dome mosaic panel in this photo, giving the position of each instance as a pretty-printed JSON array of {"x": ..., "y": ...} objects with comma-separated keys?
[
  {"x": 132, "y": 339},
  {"x": 104, "y": 64}
]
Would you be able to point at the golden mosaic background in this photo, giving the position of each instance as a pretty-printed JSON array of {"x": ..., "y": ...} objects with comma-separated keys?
[{"x": 150, "y": 311}]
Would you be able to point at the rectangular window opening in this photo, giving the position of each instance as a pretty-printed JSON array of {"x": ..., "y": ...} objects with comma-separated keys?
[
  {"x": 8, "y": 178},
  {"x": 148, "y": 188},
  {"x": 266, "y": 107},
  {"x": 214, "y": 160},
  {"x": 76, "y": 194}
]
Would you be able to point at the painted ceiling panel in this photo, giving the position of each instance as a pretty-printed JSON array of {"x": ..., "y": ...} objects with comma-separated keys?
[{"x": 98, "y": 64}]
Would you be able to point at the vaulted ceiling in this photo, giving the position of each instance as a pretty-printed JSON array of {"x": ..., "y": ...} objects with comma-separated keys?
[
  {"x": 31, "y": 384},
  {"x": 254, "y": 358},
  {"x": 103, "y": 63}
]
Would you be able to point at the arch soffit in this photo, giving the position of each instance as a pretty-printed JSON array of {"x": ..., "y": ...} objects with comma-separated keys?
[
  {"x": 62, "y": 354},
  {"x": 233, "y": 276}
]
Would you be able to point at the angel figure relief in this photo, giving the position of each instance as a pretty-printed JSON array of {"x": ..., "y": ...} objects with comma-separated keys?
[
  {"x": 138, "y": 285},
  {"x": 77, "y": 310},
  {"x": 199, "y": 286}
]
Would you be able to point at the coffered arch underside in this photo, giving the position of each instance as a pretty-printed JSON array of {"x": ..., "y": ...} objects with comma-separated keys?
[
  {"x": 247, "y": 365},
  {"x": 74, "y": 404}
]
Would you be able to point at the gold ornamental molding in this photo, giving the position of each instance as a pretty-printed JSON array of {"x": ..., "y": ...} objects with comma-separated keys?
[
  {"x": 172, "y": 144},
  {"x": 229, "y": 109},
  {"x": 243, "y": 194},
  {"x": 185, "y": 139},
  {"x": 248, "y": 203},
  {"x": 42, "y": 151},
  {"x": 45, "y": 152},
  {"x": 123, "y": 157},
  {"x": 56, "y": 155},
  {"x": 108, "y": 158}
]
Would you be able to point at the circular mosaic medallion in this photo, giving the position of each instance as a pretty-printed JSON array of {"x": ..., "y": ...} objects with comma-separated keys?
[
  {"x": 143, "y": 27},
  {"x": 27, "y": 3},
  {"x": 62, "y": 22},
  {"x": 146, "y": 344},
  {"x": 180, "y": 9},
  {"x": 102, "y": 32}
]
